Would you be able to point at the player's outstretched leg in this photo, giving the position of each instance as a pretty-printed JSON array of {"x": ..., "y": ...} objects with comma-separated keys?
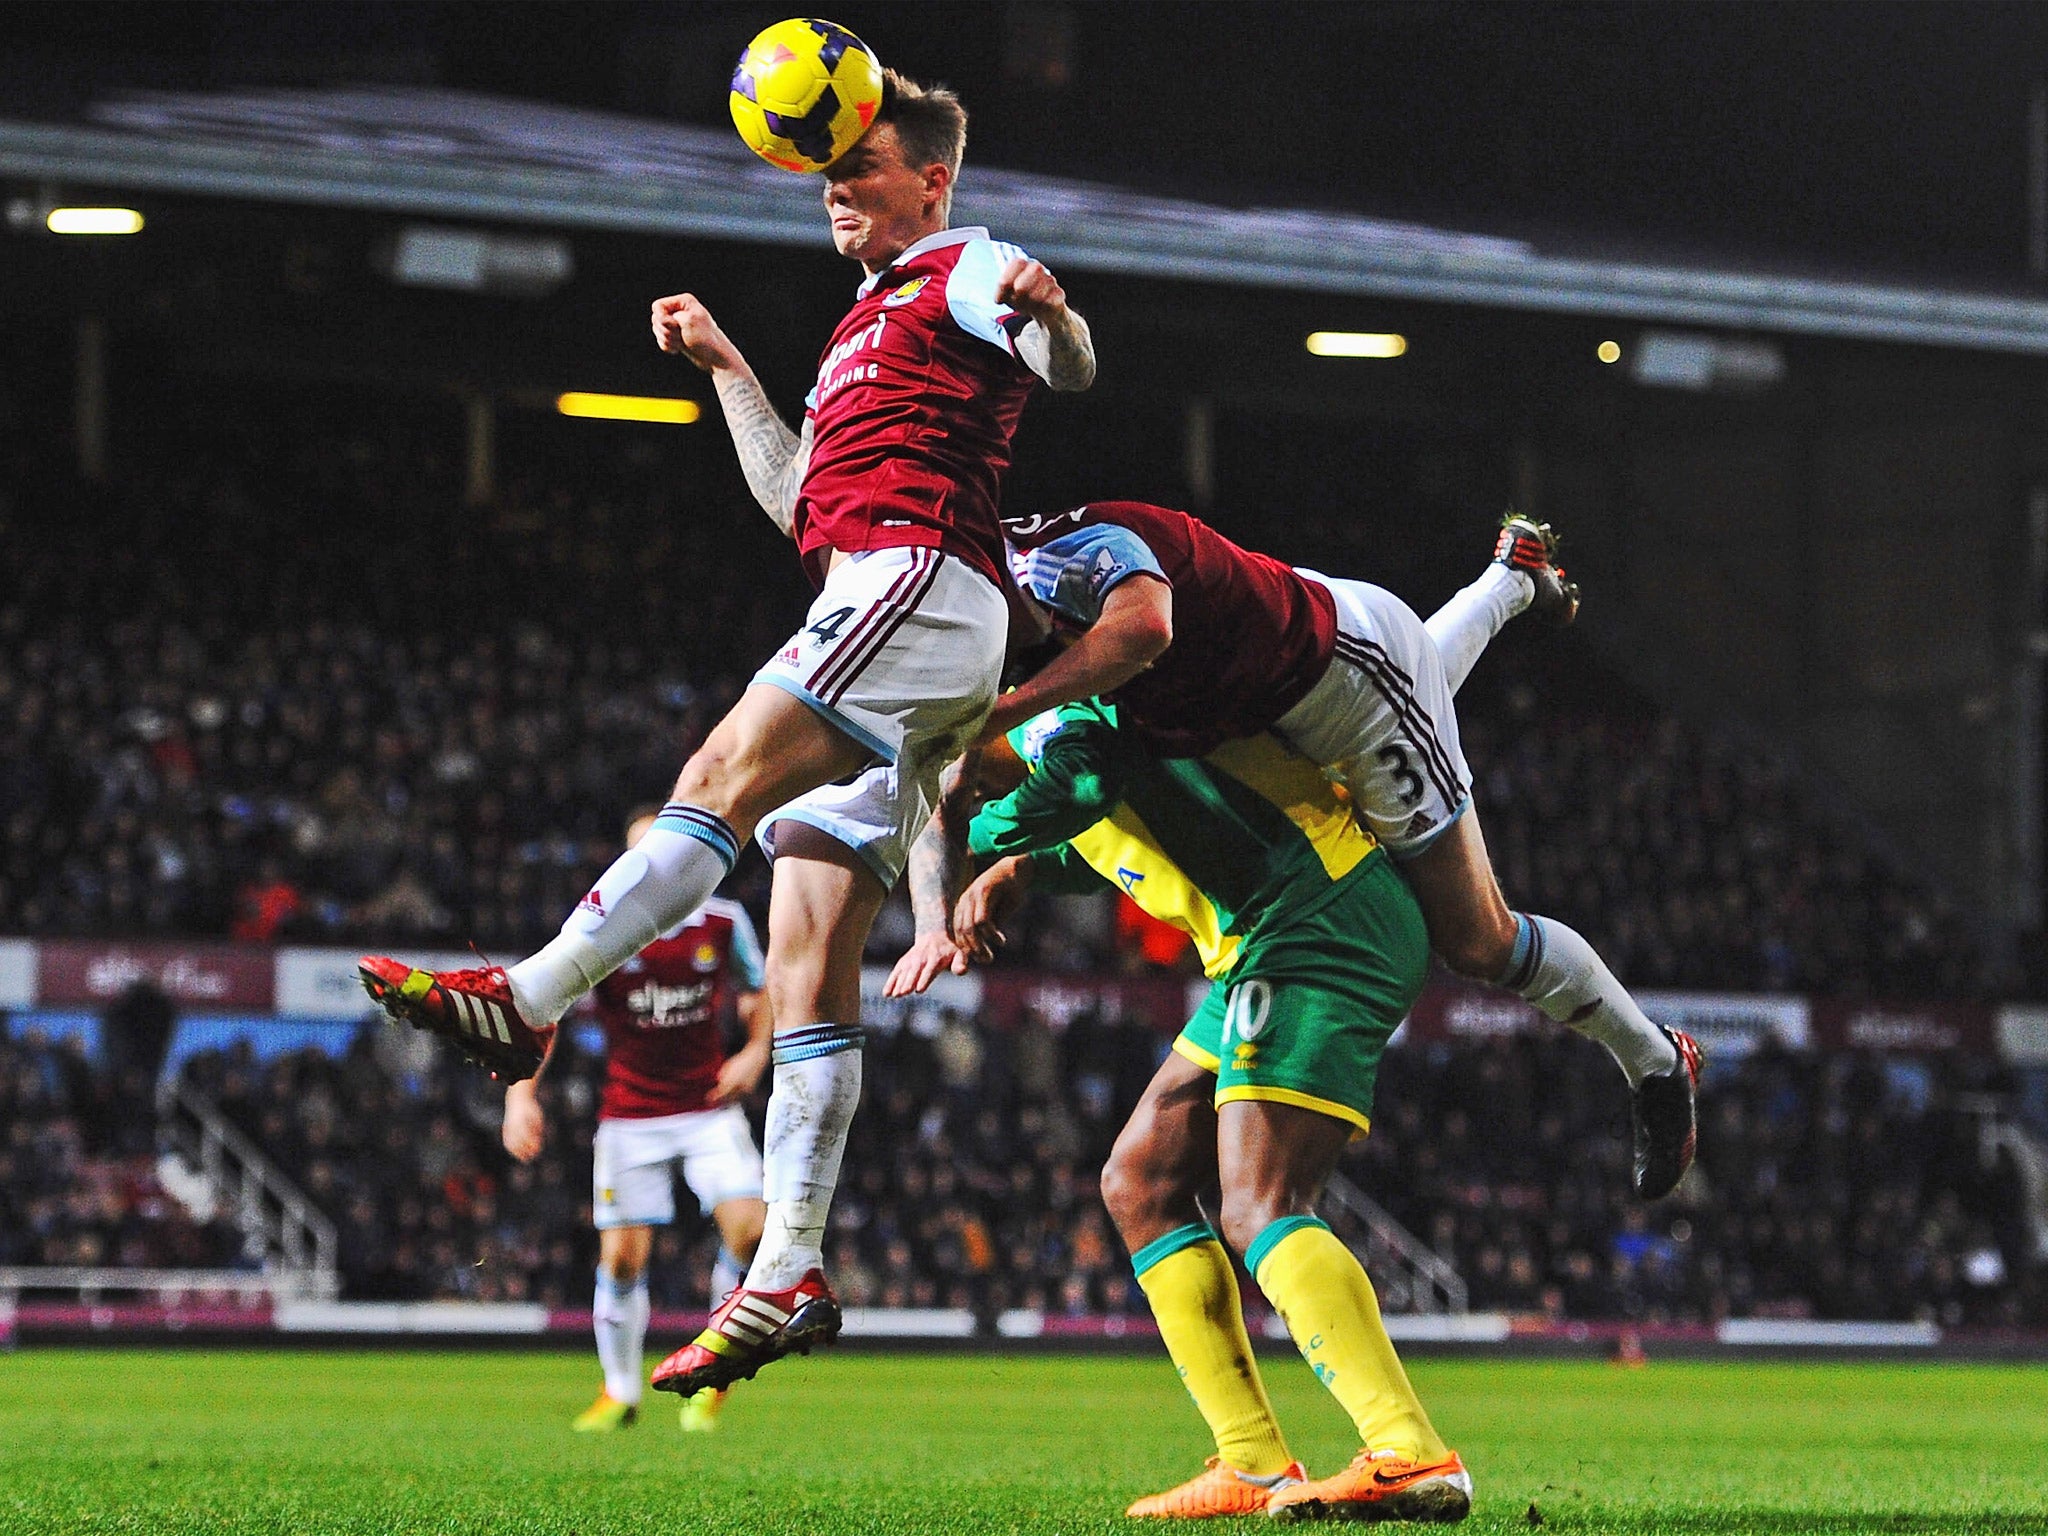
[
  {"x": 769, "y": 749},
  {"x": 1538, "y": 958},
  {"x": 1553, "y": 967},
  {"x": 1522, "y": 577},
  {"x": 1162, "y": 1158}
]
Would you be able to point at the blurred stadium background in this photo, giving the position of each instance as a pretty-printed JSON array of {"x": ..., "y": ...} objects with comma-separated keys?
[{"x": 298, "y": 653}]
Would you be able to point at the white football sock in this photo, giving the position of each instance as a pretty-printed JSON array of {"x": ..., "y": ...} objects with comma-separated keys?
[
  {"x": 728, "y": 1274},
  {"x": 650, "y": 888},
  {"x": 817, "y": 1089},
  {"x": 618, "y": 1315},
  {"x": 1465, "y": 625},
  {"x": 1557, "y": 970}
]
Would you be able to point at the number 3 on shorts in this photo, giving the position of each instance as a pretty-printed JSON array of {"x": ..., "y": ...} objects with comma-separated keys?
[{"x": 1248, "y": 1009}]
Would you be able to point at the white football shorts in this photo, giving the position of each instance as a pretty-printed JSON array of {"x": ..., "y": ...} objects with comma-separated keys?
[
  {"x": 903, "y": 651},
  {"x": 1380, "y": 720},
  {"x": 631, "y": 1184}
]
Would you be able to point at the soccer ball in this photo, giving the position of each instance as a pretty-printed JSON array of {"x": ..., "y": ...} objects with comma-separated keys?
[{"x": 803, "y": 92}]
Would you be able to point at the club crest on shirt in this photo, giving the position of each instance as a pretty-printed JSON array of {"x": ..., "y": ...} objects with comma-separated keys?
[
  {"x": 706, "y": 958},
  {"x": 906, "y": 293},
  {"x": 1039, "y": 730}
]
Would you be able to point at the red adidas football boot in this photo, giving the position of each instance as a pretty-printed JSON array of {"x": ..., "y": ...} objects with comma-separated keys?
[
  {"x": 474, "y": 1009},
  {"x": 751, "y": 1329},
  {"x": 1667, "y": 1124},
  {"x": 1526, "y": 545}
]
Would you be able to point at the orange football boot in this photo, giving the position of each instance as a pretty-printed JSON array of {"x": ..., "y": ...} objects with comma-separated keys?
[
  {"x": 1219, "y": 1490},
  {"x": 1382, "y": 1485}
]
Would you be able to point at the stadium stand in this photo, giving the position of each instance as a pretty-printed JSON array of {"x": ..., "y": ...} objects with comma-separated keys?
[
  {"x": 242, "y": 724},
  {"x": 1844, "y": 1186},
  {"x": 78, "y": 1169}
]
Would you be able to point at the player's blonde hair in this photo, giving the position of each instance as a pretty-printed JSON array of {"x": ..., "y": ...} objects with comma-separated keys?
[{"x": 931, "y": 125}]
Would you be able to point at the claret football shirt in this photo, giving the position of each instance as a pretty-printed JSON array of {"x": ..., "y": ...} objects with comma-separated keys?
[{"x": 917, "y": 398}]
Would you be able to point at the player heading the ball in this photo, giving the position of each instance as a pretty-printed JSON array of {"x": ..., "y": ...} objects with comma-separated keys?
[{"x": 890, "y": 490}]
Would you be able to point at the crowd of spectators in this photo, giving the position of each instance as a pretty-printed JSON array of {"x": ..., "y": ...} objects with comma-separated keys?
[
  {"x": 971, "y": 1174},
  {"x": 78, "y": 1168},
  {"x": 1828, "y": 1187},
  {"x": 288, "y": 685}
]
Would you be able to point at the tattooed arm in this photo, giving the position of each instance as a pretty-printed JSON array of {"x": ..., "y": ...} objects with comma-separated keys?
[
  {"x": 940, "y": 865},
  {"x": 772, "y": 457}
]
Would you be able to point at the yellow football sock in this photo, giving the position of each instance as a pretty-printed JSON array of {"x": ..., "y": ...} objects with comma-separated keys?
[
  {"x": 1186, "y": 1276},
  {"x": 1322, "y": 1293}
]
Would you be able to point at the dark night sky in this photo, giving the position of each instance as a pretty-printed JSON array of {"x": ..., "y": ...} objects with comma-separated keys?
[{"x": 1875, "y": 137}]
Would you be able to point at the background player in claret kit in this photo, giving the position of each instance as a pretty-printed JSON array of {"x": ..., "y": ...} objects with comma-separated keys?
[
  {"x": 890, "y": 490},
  {"x": 1199, "y": 641},
  {"x": 671, "y": 1095}
]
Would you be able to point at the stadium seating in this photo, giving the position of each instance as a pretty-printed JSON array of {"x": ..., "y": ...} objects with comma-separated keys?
[
  {"x": 1830, "y": 1187},
  {"x": 307, "y": 693},
  {"x": 78, "y": 1181}
]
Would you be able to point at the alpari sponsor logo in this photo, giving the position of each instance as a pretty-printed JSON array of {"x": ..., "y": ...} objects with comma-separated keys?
[
  {"x": 1881, "y": 1029},
  {"x": 839, "y": 368},
  {"x": 656, "y": 1006},
  {"x": 184, "y": 977}
]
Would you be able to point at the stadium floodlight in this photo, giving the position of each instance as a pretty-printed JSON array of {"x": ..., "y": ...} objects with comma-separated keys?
[
  {"x": 475, "y": 261},
  {"x": 93, "y": 221},
  {"x": 1608, "y": 351},
  {"x": 1357, "y": 343},
  {"x": 656, "y": 408},
  {"x": 1689, "y": 360}
]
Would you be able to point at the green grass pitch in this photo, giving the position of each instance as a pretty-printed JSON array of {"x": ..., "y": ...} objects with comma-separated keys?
[{"x": 169, "y": 1441}]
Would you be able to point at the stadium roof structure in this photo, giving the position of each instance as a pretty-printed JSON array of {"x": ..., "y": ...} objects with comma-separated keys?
[{"x": 452, "y": 154}]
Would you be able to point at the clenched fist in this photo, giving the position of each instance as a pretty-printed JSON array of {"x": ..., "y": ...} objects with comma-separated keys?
[
  {"x": 682, "y": 324},
  {"x": 1029, "y": 287}
]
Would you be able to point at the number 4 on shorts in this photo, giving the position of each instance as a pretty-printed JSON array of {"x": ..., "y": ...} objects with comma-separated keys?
[{"x": 827, "y": 629}]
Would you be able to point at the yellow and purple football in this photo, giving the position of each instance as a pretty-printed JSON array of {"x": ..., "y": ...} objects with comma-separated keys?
[{"x": 803, "y": 92}]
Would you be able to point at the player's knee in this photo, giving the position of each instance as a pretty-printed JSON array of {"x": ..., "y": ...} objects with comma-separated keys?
[
  {"x": 796, "y": 992},
  {"x": 1125, "y": 1190},
  {"x": 703, "y": 777},
  {"x": 625, "y": 1268},
  {"x": 740, "y": 1224},
  {"x": 1242, "y": 1221},
  {"x": 1479, "y": 950}
]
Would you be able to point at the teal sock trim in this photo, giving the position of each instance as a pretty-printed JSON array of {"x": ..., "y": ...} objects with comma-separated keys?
[
  {"x": 1269, "y": 1239},
  {"x": 1165, "y": 1247}
]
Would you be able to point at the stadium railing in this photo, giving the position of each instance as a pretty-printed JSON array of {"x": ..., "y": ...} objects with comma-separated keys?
[
  {"x": 1412, "y": 1277},
  {"x": 298, "y": 1243}
]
